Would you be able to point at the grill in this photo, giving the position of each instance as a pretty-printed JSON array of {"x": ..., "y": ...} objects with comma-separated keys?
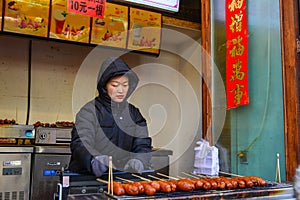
[
  {"x": 272, "y": 189},
  {"x": 75, "y": 187}
]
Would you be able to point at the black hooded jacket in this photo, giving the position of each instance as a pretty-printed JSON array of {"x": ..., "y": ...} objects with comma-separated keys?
[{"x": 104, "y": 127}]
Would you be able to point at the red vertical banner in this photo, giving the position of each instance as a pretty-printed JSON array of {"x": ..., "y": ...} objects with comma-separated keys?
[{"x": 236, "y": 53}]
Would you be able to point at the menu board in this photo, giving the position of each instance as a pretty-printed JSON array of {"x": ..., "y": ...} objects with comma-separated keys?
[
  {"x": 28, "y": 17},
  {"x": 111, "y": 30},
  {"x": 68, "y": 26},
  {"x": 144, "y": 31},
  {"x": 170, "y": 5}
]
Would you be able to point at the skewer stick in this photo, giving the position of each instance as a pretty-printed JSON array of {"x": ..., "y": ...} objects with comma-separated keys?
[
  {"x": 170, "y": 177},
  {"x": 110, "y": 177},
  {"x": 108, "y": 185},
  {"x": 277, "y": 176},
  {"x": 154, "y": 177},
  {"x": 205, "y": 176},
  {"x": 140, "y": 177},
  {"x": 102, "y": 181},
  {"x": 230, "y": 174},
  {"x": 123, "y": 179},
  {"x": 190, "y": 175},
  {"x": 201, "y": 176}
]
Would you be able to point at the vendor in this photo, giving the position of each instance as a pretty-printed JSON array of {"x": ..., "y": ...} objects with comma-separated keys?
[{"x": 111, "y": 126}]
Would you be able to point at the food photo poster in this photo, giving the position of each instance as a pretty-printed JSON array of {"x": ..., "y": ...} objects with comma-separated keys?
[
  {"x": 111, "y": 30},
  {"x": 28, "y": 17},
  {"x": 68, "y": 26}
]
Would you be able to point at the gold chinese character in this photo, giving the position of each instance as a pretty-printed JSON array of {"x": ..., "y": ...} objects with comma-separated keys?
[
  {"x": 236, "y": 22},
  {"x": 237, "y": 74},
  {"x": 238, "y": 94},
  {"x": 238, "y": 48},
  {"x": 235, "y": 4}
]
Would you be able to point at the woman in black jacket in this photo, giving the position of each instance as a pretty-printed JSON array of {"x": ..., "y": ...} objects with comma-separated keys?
[{"x": 110, "y": 126}]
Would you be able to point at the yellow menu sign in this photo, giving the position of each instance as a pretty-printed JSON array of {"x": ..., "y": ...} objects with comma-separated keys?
[
  {"x": 27, "y": 16},
  {"x": 112, "y": 29},
  {"x": 68, "y": 26},
  {"x": 144, "y": 31}
]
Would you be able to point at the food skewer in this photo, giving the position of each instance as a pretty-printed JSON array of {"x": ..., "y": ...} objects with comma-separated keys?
[
  {"x": 119, "y": 189},
  {"x": 140, "y": 177},
  {"x": 190, "y": 175},
  {"x": 112, "y": 178},
  {"x": 123, "y": 179},
  {"x": 155, "y": 177},
  {"x": 150, "y": 187},
  {"x": 102, "y": 181},
  {"x": 160, "y": 185},
  {"x": 277, "y": 176},
  {"x": 169, "y": 177},
  {"x": 110, "y": 187},
  {"x": 180, "y": 183}
]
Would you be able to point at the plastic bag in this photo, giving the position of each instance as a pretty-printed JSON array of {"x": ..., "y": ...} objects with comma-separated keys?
[{"x": 206, "y": 159}]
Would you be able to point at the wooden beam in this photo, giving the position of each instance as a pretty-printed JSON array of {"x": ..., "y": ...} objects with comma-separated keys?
[
  {"x": 289, "y": 20},
  {"x": 181, "y": 23},
  {"x": 206, "y": 70}
]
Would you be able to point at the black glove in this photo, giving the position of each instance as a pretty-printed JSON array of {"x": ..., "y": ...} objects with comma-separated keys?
[
  {"x": 134, "y": 165},
  {"x": 100, "y": 165}
]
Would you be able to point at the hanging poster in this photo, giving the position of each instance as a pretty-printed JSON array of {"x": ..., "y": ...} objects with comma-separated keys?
[
  {"x": 236, "y": 53},
  {"x": 28, "y": 17},
  {"x": 68, "y": 26},
  {"x": 144, "y": 31},
  {"x": 87, "y": 7},
  {"x": 112, "y": 29}
]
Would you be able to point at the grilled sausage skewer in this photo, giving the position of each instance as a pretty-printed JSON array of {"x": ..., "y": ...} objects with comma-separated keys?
[
  {"x": 118, "y": 187},
  {"x": 171, "y": 182},
  {"x": 154, "y": 184},
  {"x": 197, "y": 182},
  {"x": 179, "y": 184},
  {"x": 255, "y": 180},
  {"x": 144, "y": 187},
  {"x": 258, "y": 181},
  {"x": 131, "y": 189},
  {"x": 149, "y": 189},
  {"x": 137, "y": 184},
  {"x": 164, "y": 186},
  {"x": 166, "y": 176}
]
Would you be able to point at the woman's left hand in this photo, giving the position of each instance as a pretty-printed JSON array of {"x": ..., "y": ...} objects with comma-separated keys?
[{"x": 134, "y": 165}]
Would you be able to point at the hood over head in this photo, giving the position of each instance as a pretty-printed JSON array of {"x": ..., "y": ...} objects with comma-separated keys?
[{"x": 112, "y": 67}]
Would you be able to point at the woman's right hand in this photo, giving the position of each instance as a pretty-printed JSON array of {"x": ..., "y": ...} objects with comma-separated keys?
[{"x": 100, "y": 164}]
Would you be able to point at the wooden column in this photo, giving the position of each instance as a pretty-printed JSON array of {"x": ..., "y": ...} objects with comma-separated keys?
[
  {"x": 206, "y": 70},
  {"x": 290, "y": 70}
]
